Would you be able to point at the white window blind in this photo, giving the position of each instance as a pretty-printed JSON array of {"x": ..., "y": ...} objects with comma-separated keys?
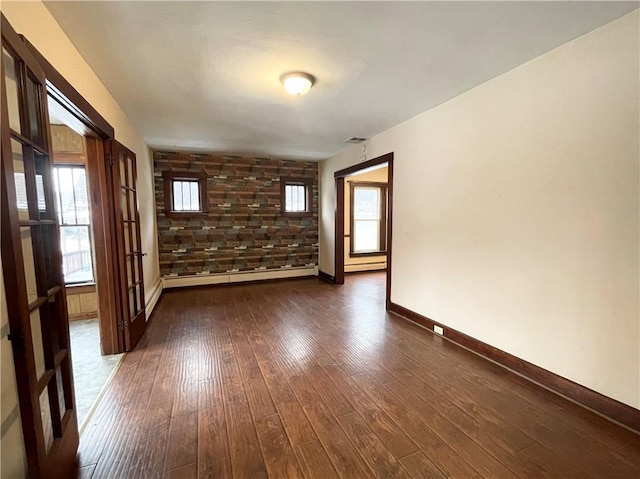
[
  {"x": 186, "y": 195},
  {"x": 367, "y": 211},
  {"x": 295, "y": 198}
]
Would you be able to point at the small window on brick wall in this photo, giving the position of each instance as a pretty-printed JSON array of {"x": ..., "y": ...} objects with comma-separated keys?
[
  {"x": 185, "y": 193},
  {"x": 295, "y": 196}
]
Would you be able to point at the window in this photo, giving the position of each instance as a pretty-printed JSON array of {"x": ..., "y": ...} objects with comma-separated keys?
[
  {"x": 295, "y": 196},
  {"x": 368, "y": 218},
  {"x": 185, "y": 193},
  {"x": 72, "y": 201}
]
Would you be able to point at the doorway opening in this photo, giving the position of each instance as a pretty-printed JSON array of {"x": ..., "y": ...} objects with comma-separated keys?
[
  {"x": 73, "y": 181},
  {"x": 363, "y": 227}
]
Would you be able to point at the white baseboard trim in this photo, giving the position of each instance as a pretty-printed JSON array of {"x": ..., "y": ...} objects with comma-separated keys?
[
  {"x": 241, "y": 276},
  {"x": 352, "y": 268},
  {"x": 155, "y": 296},
  {"x": 101, "y": 394}
]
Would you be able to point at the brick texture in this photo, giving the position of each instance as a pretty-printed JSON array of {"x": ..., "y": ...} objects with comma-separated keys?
[{"x": 244, "y": 229}]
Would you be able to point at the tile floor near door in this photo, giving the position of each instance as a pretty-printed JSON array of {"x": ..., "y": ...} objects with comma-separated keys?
[
  {"x": 306, "y": 379},
  {"x": 91, "y": 370}
]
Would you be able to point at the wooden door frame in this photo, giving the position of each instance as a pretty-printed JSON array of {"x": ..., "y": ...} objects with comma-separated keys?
[
  {"x": 339, "y": 177},
  {"x": 101, "y": 208}
]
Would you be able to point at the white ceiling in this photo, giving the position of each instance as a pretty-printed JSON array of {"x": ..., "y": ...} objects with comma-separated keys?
[{"x": 205, "y": 75}]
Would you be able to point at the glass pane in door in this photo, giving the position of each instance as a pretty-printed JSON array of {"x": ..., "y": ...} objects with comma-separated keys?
[
  {"x": 135, "y": 268},
  {"x": 129, "y": 272},
  {"x": 45, "y": 413},
  {"x": 33, "y": 103},
  {"x": 56, "y": 328},
  {"x": 19, "y": 179},
  {"x": 127, "y": 239},
  {"x": 11, "y": 83},
  {"x": 60, "y": 386},
  {"x": 36, "y": 339},
  {"x": 139, "y": 297},
  {"x": 29, "y": 264},
  {"x": 132, "y": 303},
  {"x": 134, "y": 237},
  {"x": 51, "y": 254},
  {"x": 132, "y": 204},
  {"x": 123, "y": 173},
  {"x": 42, "y": 179},
  {"x": 130, "y": 176},
  {"x": 123, "y": 204}
]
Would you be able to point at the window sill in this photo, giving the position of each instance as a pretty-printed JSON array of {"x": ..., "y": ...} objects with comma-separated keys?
[
  {"x": 368, "y": 253},
  {"x": 79, "y": 288},
  {"x": 185, "y": 214},
  {"x": 297, "y": 214}
]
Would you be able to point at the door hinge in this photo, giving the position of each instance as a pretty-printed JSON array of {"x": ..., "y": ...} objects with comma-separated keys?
[
  {"x": 110, "y": 160},
  {"x": 17, "y": 340},
  {"x": 15, "y": 337},
  {"x": 123, "y": 325}
]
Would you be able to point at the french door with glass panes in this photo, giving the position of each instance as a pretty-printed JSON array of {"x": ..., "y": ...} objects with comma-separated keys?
[
  {"x": 31, "y": 263},
  {"x": 129, "y": 252}
]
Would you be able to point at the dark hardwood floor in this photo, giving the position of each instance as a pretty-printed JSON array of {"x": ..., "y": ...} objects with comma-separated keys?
[{"x": 306, "y": 379}]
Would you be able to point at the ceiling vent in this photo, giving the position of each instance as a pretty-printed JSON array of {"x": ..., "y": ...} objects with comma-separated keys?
[{"x": 355, "y": 139}]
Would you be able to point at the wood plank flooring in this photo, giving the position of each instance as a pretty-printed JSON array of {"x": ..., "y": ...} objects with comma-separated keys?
[{"x": 306, "y": 379}]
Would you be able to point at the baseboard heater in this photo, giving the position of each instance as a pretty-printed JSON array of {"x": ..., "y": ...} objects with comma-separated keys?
[{"x": 238, "y": 277}]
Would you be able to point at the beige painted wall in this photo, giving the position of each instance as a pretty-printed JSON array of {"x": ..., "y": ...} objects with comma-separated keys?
[
  {"x": 33, "y": 20},
  {"x": 516, "y": 211},
  {"x": 369, "y": 262}
]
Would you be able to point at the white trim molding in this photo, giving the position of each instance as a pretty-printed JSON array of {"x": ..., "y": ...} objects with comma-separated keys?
[
  {"x": 154, "y": 297},
  {"x": 353, "y": 268},
  {"x": 238, "y": 277}
]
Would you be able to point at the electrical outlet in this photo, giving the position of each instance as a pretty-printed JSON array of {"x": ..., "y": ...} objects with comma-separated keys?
[{"x": 438, "y": 330}]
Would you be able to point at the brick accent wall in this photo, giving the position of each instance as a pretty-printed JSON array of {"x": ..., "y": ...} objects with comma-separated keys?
[{"x": 244, "y": 229}]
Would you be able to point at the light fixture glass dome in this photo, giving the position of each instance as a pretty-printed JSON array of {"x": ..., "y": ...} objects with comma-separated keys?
[{"x": 297, "y": 83}]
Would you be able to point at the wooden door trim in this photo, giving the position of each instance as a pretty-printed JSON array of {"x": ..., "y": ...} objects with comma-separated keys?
[
  {"x": 339, "y": 248},
  {"x": 17, "y": 42},
  {"x": 383, "y": 218},
  {"x": 339, "y": 177},
  {"x": 103, "y": 235},
  {"x": 68, "y": 96}
]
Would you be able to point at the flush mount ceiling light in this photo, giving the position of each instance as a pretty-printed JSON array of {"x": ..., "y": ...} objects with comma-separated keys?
[{"x": 297, "y": 83}]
